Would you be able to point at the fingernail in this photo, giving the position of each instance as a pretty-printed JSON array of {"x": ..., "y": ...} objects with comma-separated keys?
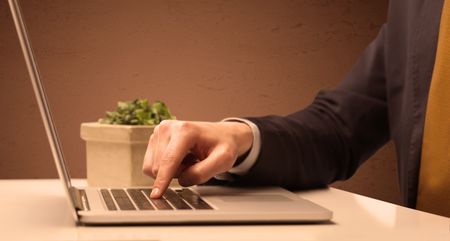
[{"x": 155, "y": 193}]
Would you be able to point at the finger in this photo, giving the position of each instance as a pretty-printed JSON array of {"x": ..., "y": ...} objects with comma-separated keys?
[
  {"x": 161, "y": 140},
  {"x": 173, "y": 155},
  {"x": 156, "y": 148},
  {"x": 158, "y": 142},
  {"x": 219, "y": 161},
  {"x": 189, "y": 160},
  {"x": 148, "y": 157}
]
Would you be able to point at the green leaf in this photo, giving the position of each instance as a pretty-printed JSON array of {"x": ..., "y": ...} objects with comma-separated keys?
[{"x": 137, "y": 112}]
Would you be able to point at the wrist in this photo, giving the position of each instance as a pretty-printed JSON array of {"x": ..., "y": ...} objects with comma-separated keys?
[
  {"x": 242, "y": 136},
  {"x": 247, "y": 141}
]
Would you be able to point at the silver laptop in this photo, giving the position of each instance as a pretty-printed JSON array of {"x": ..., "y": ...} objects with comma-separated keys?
[{"x": 200, "y": 204}]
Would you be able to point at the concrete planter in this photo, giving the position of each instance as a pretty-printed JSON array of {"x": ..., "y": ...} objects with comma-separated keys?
[{"x": 115, "y": 154}]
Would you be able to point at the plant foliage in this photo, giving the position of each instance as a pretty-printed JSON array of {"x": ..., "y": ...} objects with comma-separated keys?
[{"x": 137, "y": 112}]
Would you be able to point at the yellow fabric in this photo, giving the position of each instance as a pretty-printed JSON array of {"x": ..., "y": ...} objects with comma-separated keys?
[{"x": 434, "y": 178}]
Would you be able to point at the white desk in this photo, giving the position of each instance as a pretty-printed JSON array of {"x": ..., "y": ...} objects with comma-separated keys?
[{"x": 40, "y": 212}]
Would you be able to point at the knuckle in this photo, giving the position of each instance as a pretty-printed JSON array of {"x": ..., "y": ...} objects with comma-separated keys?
[
  {"x": 197, "y": 176},
  {"x": 168, "y": 161},
  {"x": 228, "y": 153},
  {"x": 155, "y": 130},
  {"x": 228, "y": 157},
  {"x": 186, "y": 129},
  {"x": 154, "y": 170},
  {"x": 184, "y": 125},
  {"x": 147, "y": 169},
  {"x": 165, "y": 125},
  {"x": 158, "y": 183},
  {"x": 166, "y": 122}
]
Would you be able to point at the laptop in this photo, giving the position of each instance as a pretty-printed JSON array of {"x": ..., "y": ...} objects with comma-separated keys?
[{"x": 195, "y": 205}]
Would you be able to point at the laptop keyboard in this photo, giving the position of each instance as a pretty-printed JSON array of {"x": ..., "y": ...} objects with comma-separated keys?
[
  {"x": 107, "y": 198},
  {"x": 139, "y": 199}
]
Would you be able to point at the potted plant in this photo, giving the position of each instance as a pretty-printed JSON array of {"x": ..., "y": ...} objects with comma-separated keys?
[{"x": 116, "y": 144}]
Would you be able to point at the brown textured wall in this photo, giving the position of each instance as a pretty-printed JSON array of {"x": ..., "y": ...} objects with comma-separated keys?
[{"x": 206, "y": 59}]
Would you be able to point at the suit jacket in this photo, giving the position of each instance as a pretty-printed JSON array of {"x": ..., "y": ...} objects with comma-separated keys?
[{"x": 383, "y": 97}]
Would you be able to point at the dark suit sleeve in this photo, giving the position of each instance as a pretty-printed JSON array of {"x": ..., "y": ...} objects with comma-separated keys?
[{"x": 329, "y": 139}]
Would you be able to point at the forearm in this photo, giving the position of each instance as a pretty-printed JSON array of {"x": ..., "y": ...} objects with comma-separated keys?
[
  {"x": 316, "y": 146},
  {"x": 328, "y": 140}
]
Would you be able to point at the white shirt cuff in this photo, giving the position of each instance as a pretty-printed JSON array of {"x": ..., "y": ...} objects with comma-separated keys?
[{"x": 252, "y": 156}]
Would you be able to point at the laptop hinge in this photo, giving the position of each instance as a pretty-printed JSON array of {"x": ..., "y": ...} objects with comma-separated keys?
[{"x": 79, "y": 199}]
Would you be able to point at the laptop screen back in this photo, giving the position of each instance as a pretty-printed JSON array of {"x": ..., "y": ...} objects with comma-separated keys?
[{"x": 41, "y": 98}]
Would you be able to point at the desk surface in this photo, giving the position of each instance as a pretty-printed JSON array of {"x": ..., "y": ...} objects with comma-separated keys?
[{"x": 40, "y": 212}]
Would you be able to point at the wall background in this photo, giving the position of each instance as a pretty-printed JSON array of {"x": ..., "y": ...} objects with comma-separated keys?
[{"x": 206, "y": 59}]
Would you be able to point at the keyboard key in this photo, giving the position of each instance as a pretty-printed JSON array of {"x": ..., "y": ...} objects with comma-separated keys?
[
  {"x": 160, "y": 204},
  {"x": 108, "y": 200},
  {"x": 194, "y": 199},
  {"x": 176, "y": 200},
  {"x": 122, "y": 199},
  {"x": 139, "y": 199}
]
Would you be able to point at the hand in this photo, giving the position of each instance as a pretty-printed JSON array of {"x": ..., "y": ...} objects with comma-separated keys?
[{"x": 194, "y": 152}]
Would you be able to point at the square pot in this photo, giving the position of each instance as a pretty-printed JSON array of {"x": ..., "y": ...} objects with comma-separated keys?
[{"x": 115, "y": 154}]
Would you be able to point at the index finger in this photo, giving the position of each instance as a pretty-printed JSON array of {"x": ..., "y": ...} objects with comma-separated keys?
[{"x": 172, "y": 157}]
